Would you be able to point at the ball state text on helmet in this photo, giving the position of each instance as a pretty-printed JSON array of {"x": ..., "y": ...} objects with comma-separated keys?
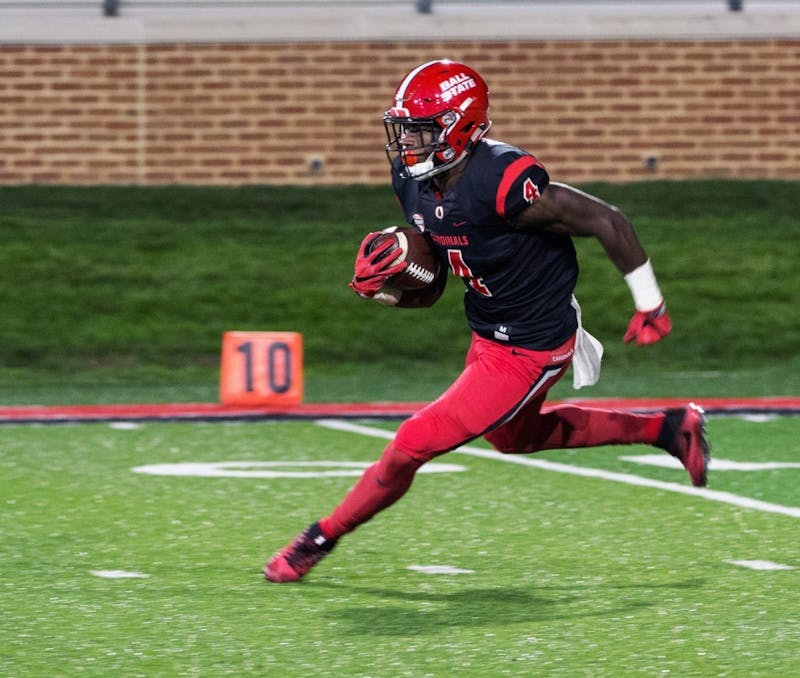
[{"x": 456, "y": 85}]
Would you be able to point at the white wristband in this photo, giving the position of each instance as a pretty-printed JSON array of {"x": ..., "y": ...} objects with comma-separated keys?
[{"x": 644, "y": 288}]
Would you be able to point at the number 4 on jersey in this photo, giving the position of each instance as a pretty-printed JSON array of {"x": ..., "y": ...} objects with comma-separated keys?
[
  {"x": 459, "y": 267},
  {"x": 530, "y": 190}
]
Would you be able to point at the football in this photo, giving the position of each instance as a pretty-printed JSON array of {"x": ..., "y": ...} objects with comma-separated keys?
[{"x": 414, "y": 248}]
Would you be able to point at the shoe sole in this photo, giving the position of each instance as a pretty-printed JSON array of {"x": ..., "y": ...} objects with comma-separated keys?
[{"x": 705, "y": 446}]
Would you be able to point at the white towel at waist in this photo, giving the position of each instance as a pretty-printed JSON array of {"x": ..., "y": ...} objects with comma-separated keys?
[{"x": 588, "y": 355}]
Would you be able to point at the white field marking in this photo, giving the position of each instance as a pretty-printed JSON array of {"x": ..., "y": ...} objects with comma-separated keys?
[
  {"x": 274, "y": 469},
  {"x": 759, "y": 418},
  {"x": 667, "y": 461},
  {"x": 124, "y": 425},
  {"x": 524, "y": 460},
  {"x": 759, "y": 564},
  {"x": 119, "y": 574},
  {"x": 439, "y": 569}
]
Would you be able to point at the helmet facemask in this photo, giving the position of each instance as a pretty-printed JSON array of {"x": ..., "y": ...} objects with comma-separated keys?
[
  {"x": 415, "y": 161},
  {"x": 426, "y": 159}
]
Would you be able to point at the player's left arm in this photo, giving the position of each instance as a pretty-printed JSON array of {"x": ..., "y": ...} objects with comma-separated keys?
[{"x": 563, "y": 209}]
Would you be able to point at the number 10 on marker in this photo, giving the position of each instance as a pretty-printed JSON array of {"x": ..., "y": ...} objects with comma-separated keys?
[{"x": 261, "y": 368}]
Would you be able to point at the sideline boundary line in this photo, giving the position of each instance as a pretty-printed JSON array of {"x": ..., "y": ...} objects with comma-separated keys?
[
  {"x": 210, "y": 412},
  {"x": 587, "y": 472}
]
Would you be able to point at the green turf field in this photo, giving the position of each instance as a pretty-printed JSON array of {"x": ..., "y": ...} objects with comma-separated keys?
[
  {"x": 540, "y": 571},
  {"x": 577, "y": 563}
]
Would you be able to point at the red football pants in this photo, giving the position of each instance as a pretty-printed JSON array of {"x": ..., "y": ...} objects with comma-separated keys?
[{"x": 498, "y": 395}]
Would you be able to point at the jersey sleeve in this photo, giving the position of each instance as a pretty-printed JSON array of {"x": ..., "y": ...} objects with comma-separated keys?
[{"x": 521, "y": 184}]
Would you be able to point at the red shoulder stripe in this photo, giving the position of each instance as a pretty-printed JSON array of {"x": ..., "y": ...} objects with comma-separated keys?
[{"x": 510, "y": 175}]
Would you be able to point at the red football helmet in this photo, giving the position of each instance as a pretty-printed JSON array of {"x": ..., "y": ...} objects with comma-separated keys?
[{"x": 439, "y": 112}]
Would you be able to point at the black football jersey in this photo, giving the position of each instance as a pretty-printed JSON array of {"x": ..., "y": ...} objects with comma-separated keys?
[{"x": 519, "y": 282}]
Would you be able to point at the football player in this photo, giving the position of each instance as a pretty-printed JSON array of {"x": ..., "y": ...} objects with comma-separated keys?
[{"x": 497, "y": 222}]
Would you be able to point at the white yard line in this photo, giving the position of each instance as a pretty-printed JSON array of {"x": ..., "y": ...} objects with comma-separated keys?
[
  {"x": 759, "y": 565},
  {"x": 119, "y": 574},
  {"x": 525, "y": 460}
]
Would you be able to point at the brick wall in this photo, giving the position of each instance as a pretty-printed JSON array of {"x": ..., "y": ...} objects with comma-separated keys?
[{"x": 262, "y": 113}]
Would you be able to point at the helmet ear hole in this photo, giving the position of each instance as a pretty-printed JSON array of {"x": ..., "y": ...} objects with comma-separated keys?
[{"x": 464, "y": 135}]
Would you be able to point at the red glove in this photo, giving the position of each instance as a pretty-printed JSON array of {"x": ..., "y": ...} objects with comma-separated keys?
[
  {"x": 648, "y": 327},
  {"x": 373, "y": 268}
]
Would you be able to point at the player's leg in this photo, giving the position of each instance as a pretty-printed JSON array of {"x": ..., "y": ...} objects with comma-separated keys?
[
  {"x": 571, "y": 426},
  {"x": 495, "y": 383},
  {"x": 679, "y": 431},
  {"x": 379, "y": 487},
  {"x": 382, "y": 485},
  {"x": 482, "y": 395}
]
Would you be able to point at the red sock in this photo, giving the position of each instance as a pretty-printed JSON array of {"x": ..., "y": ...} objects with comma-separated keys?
[{"x": 379, "y": 487}]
